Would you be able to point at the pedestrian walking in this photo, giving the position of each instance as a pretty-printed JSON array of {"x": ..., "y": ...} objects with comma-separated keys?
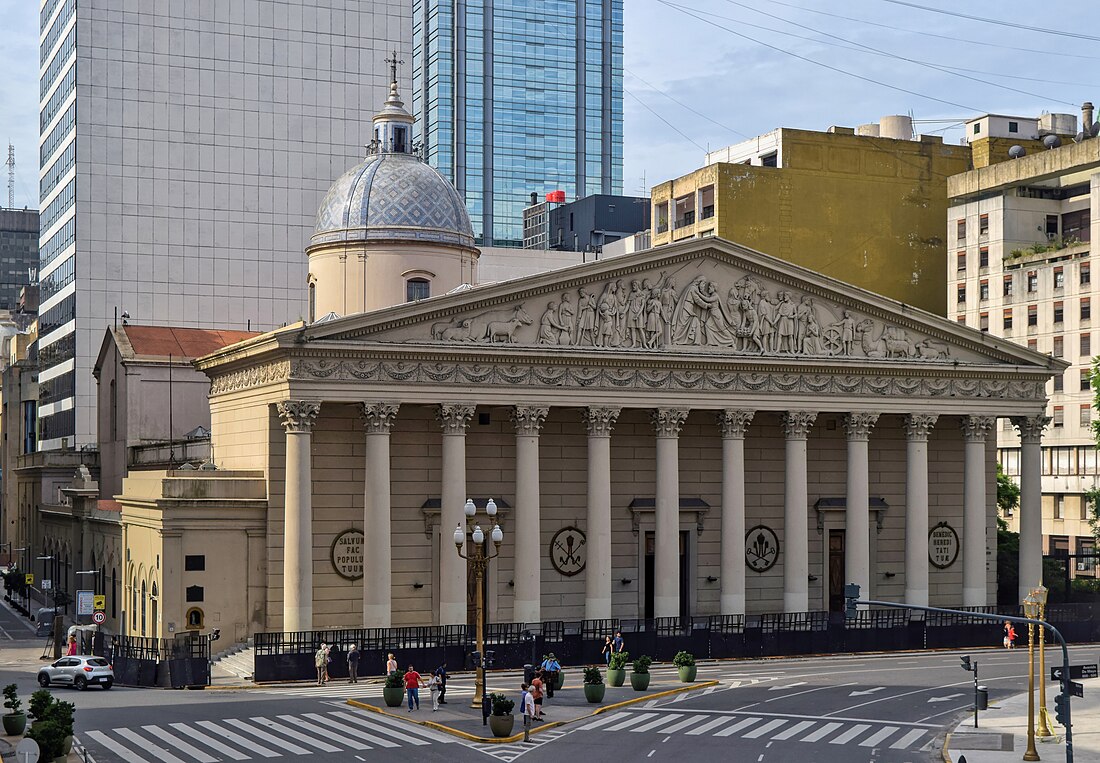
[
  {"x": 319, "y": 658},
  {"x": 328, "y": 661},
  {"x": 441, "y": 671},
  {"x": 1010, "y": 634},
  {"x": 608, "y": 646},
  {"x": 528, "y": 704},
  {"x": 391, "y": 664},
  {"x": 536, "y": 690},
  {"x": 550, "y": 668},
  {"x": 617, "y": 643},
  {"x": 433, "y": 689},
  {"x": 72, "y": 649},
  {"x": 353, "y": 664},
  {"x": 413, "y": 682}
]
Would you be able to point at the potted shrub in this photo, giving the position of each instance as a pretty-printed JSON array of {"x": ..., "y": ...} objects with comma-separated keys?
[
  {"x": 639, "y": 679},
  {"x": 502, "y": 719},
  {"x": 616, "y": 670},
  {"x": 593, "y": 685},
  {"x": 53, "y": 725},
  {"x": 393, "y": 691},
  {"x": 15, "y": 720},
  {"x": 685, "y": 663}
]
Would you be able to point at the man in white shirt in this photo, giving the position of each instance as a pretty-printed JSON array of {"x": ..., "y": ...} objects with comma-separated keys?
[{"x": 527, "y": 702}]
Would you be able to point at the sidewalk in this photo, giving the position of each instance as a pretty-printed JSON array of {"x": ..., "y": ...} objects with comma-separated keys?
[
  {"x": 1002, "y": 732},
  {"x": 568, "y": 704}
]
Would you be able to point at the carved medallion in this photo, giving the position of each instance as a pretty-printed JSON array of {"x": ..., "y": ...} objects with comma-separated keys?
[
  {"x": 567, "y": 551},
  {"x": 761, "y": 548},
  {"x": 346, "y": 554},
  {"x": 943, "y": 546}
]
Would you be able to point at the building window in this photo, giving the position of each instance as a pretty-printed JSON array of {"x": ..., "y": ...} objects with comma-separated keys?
[
  {"x": 1086, "y": 274},
  {"x": 1058, "y": 383},
  {"x": 960, "y": 319},
  {"x": 1033, "y": 344},
  {"x": 1075, "y": 226},
  {"x": 312, "y": 303},
  {"x": 961, "y": 262},
  {"x": 1008, "y": 286},
  {"x": 1086, "y": 383},
  {"x": 1059, "y": 507},
  {"x": 195, "y": 593},
  {"x": 1059, "y": 312},
  {"x": 1059, "y": 347},
  {"x": 983, "y": 257},
  {"x": 1033, "y": 315},
  {"x": 1086, "y": 414},
  {"x": 1059, "y": 278},
  {"x": 1013, "y": 126},
  {"x": 983, "y": 225},
  {"x": 1059, "y": 416},
  {"x": 978, "y": 128},
  {"x": 983, "y": 290},
  {"x": 194, "y": 562},
  {"x": 1033, "y": 281},
  {"x": 661, "y": 213},
  {"x": 1086, "y": 308},
  {"x": 983, "y": 321},
  {"x": 960, "y": 230},
  {"x": 1052, "y": 227},
  {"x": 1086, "y": 345},
  {"x": 706, "y": 202},
  {"x": 962, "y": 293},
  {"x": 417, "y": 289},
  {"x": 770, "y": 160},
  {"x": 1008, "y": 319}
]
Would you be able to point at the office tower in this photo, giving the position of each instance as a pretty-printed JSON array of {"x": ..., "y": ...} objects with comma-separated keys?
[
  {"x": 18, "y": 253},
  {"x": 185, "y": 150},
  {"x": 511, "y": 96}
]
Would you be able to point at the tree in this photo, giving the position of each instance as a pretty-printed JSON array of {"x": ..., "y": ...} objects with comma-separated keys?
[{"x": 1008, "y": 497}]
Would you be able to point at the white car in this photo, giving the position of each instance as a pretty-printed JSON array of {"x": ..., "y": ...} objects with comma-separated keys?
[{"x": 79, "y": 671}]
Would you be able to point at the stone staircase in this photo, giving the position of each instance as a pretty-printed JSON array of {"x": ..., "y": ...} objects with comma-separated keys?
[{"x": 237, "y": 661}]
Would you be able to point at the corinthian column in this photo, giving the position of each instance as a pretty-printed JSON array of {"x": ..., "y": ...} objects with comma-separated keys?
[
  {"x": 733, "y": 425},
  {"x": 453, "y": 596},
  {"x": 917, "y": 427},
  {"x": 528, "y": 421},
  {"x": 796, "y": 530},
  {"x": 857, "y": 502},
  {"x": 1031, "y": 501},
  {"x": 377, "y": 421},
  {"x": 597, "y": 570},
  {"x": 298, "y": 417},
  {"x": 666, "y": 537},
  {"x": 975, "y": 429}
]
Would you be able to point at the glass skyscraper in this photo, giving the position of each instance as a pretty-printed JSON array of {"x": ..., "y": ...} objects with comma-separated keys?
[{"x": 518, "y": 96}]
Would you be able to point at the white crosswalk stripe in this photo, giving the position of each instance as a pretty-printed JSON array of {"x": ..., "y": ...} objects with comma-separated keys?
[{"x": 253, "y": 738}]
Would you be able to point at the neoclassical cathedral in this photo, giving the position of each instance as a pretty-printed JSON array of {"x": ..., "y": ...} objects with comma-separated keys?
[{"x": 689, "y": 430}]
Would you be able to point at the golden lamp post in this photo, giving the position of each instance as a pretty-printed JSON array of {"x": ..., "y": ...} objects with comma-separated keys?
[
  {"x": 1044, "y": 730},
  {"x": 1031, "y": 611},
  {"x": 479, "y": 558}
]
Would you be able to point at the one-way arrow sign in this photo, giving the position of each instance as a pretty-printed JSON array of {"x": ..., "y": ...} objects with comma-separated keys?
[
  {"x": 1075, "y": 671},
  {"x": 945, "y": 699},
  {"x": 866, "y": 691}
]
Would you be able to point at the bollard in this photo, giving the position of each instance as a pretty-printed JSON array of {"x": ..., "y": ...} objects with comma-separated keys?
[{"x": 983, "y": 697}]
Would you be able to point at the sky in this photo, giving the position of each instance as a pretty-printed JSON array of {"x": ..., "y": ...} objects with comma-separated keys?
[{"x": 708, "y": 73}]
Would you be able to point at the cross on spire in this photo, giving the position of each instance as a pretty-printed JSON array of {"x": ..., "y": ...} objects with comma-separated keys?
[{"x": 393, "y": 62}]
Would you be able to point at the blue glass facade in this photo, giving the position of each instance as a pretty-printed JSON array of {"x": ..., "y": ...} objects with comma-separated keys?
[{"x": 515, "y": 96}]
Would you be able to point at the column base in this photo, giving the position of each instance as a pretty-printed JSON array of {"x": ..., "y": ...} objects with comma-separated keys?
[
  {"x": 733, "y": 604},
  {"x": 526, "y": 612},
  {"x": 453, "y": 614},
  {"x": 796, "y": 602},
  {"x": 974, "y": 597},
  {"x": 666, "y": 606},
  {"x": 377, "y": 616},
  {"x": 597, "y": 609}
]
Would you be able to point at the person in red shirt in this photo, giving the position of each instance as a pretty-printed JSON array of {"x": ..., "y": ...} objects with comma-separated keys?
[
  {"x": 536, "y": 694},
  {"x": 413, "y": 682}
]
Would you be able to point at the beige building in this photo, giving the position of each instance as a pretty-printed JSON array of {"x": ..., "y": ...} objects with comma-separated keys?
[{"x": 1021, "y": 233}]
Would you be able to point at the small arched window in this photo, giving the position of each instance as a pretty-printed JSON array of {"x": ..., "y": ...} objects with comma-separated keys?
[
  {"x": 400, "y": 140},
  {"x": 144, "y": 599},
  {"x": 417, "y": 288},
  {"x": 312, "y": 303}
]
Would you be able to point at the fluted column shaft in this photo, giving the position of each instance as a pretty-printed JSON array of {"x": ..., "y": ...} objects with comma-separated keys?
[
  {"x": 1031, "y": 501},
  {"x": 597, "y": 570},
  {"x": 298, "y": 417},
  {"x": 857, "y": 513},
  {"x": 453, "y": 596},
  {"x": 796, "y": 567},
  {"x": 666, "y": 542},
  {"x": 917, "y": 427},
  {"x": 733, "y": 424},
  {"x": 528, "y": 593},
  {"x": 377, "y": 421},
  {"x": 975, "y": 430}
]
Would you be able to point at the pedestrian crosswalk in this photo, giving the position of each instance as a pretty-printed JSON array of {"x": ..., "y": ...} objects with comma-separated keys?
[
  {"x": 768, "y": 727},
  {"x": 256, "y": 738}
]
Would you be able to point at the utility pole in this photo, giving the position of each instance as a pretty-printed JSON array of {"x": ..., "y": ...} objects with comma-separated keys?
[{"x": 10, "y": 163}]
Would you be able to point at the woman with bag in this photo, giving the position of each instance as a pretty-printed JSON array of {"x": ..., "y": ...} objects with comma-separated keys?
[{"x": 433, "y": 688}]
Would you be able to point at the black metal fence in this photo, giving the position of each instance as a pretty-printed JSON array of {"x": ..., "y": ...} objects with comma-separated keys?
[
  {"x": 291, "y": 656},
  {"x": 169, "y": 663}
]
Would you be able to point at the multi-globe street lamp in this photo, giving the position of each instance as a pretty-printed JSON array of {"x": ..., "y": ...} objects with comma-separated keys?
[
  {"x": 478, "y": 558},
  {"x": 1031, "y": 611}
]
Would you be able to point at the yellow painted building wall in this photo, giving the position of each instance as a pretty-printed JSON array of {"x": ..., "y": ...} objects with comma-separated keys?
[{"x": 865, "y": 210}]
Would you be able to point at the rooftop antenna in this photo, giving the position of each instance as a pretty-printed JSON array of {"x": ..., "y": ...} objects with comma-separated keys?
[{"x": 11, "y": 176}]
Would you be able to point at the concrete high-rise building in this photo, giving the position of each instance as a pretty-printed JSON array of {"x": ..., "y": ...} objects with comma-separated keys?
[
  {"x": 18, "y": 253},
  {"x": 519, "y": 95},
  {"x": 185, "y": 149}
]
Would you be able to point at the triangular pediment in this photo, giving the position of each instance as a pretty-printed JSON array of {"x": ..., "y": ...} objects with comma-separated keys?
[{"x": 710, "y": 298}]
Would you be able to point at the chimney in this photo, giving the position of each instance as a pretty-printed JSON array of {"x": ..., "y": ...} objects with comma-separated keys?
[{"x": 1086, "y": 116}]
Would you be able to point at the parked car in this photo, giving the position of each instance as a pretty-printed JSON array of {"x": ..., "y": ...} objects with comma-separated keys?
[{"x": 79, "y": 671}]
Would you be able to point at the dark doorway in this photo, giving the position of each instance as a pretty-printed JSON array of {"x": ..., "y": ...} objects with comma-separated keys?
[
  {"x": 649, "y": 574},
  {"x": 836, "y": 570}
]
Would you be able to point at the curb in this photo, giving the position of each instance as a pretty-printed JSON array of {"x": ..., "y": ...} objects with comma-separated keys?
[
  {"x": 947, "y": 748},
  {"x": 519, "y": 737}
]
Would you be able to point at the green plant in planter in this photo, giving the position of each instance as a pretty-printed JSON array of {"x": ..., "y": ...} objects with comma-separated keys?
[
  {"x": 15, "y": 720},
  {"x": 685, "y": 664},
  {"x": 501, "y": 704},
  {"x": 53, "y": 724},
  {"x": 393, "y": 691},
  {"x": 502, "y": 719},
  {"x": 616, "y": 669},
  {"x": 639, "y": 679},
  {"x": 593, "y": 676},
  {"x": 40, "y": 702},
  {"x": 593, "y": 685}
]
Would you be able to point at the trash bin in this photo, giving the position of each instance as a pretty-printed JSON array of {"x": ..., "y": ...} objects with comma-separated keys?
[
  {"x": 528, "y": 674},
  {"x": 983, "y": 698}
]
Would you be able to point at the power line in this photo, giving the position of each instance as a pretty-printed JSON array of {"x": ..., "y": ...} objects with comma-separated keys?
[
  {"x": 684, "y": 105},
  {"x": 998, "y": 22},
  {"x": 674, "y": 127}
]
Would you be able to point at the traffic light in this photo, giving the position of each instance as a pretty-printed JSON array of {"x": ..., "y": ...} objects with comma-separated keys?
[
  {"x": 966, "y": 664},
  {"x": 851, "y": 595},
  {"x": 1061, "y": 704}
]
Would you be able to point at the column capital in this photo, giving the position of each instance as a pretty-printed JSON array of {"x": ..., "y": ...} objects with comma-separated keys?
[
  {"x": 975, "y": 428},
  {"x": 733, "y": 423},
  {"x": 796, "y": 424},
  {"x": 378, "y": 418},
  {"x": 600, "y": 421},
  {"x": 528, "y": 418},
  {"x": 859, "y": 424},
  {"x": 1031, "y": 427},
  {"x": 668, "y": 421},
  {"x": 919, "y": 425},
  {"x": 298, "y": 415},
  {"x": 454, "y": 417}
]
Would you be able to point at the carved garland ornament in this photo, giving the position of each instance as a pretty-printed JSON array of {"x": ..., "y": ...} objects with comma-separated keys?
[{"x": 247, "y": 378}]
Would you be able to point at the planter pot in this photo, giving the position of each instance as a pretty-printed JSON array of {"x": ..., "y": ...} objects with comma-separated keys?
[
  {"x": 594, "y": 692},
  {"x": 559, "y": 680},
  {"x": 394, "y": 697},
  {"x": 616, "y": 677},
  {"x": 15, "y": 724},
  {"x": 639, "y": 681},
  {"x": 687, "y": 673},
  {"x": 67, "y": 746},
  {"x": 501, "y": 725}
]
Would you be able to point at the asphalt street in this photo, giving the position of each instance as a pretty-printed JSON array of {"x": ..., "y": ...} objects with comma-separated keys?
[{"x": 835, "y": 709}]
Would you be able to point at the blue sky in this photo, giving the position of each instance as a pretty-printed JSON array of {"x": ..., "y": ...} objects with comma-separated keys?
[{"x": 742, "y": 67}]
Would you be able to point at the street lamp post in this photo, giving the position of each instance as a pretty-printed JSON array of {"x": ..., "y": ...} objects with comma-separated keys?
[
  {"x": 1044, "y": 729},
  {"x": 479, "y": 561},
  {"x": 1031, "y": 610}
]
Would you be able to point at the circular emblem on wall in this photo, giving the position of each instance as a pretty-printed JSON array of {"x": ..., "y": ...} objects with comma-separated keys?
[
  {"x": 347, "y": 554},
  {"x": 567, "y": 551},
  {"x": 943, "y": 546},
  {"x": 761, "y": 548}
]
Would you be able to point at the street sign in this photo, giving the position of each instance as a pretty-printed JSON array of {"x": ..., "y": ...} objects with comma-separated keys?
[
  {"x": 1076, "y": 689},
  {"x": 47, "y": 584},
  {"x": 99, "y": 601},
  {"x": 29, "y": 578},
  {"x": 1075, "y": 671},
  {"x": 99, "y": 618},
  {"x": 28, "y": 751},
  {"x": 85, "y": 602}
]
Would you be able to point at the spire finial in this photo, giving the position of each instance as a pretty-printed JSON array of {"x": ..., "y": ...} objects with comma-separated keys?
[{"x": 393, "y": 62}]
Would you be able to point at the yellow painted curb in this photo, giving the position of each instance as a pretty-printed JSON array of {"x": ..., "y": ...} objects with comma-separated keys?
[
  {"x": 541, "y": 728},
  {"x": 946, "y": 746}
]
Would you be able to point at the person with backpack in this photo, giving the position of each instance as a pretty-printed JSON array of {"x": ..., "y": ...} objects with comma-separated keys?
[{"x": 441, "y": 671}]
